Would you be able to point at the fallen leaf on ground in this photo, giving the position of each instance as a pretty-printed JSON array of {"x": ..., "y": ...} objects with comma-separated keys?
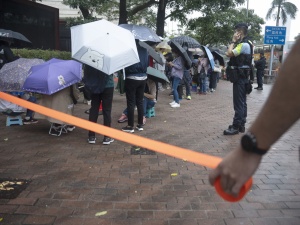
[
  {"x": 101, "y": 213},
  {"x": 174, "y": 174}
]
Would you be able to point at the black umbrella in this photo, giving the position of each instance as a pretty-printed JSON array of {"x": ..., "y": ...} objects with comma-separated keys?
[
  {"x": 156, "y": 75},
  {"x": 182, "y": 52},
  {"x": 141, "y": 33},
  {"x": 152, "y": 52},
  {"x": 186, "y": 41},
  {"x": 219, "y": 57},
  {"x": 16, "y": 39}
]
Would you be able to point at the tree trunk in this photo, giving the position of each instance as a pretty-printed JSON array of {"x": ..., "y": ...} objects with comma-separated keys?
[
  {"x": 278, "y": 15},
  {"x": 85, "y": 12},
  {"x": 160, "y": 19},
  {"x": 123, "y": 12}
]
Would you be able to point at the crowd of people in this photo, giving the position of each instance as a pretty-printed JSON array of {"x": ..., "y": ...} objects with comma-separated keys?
[{"x": 141, "y": 92}]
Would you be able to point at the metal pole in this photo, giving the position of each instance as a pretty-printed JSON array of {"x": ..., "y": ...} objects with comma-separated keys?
[
  {"x": 271, "y": 60},
  {"x": 247, "y": 8}
]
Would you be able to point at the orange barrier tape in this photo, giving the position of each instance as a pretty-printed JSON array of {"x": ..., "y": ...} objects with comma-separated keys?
[{"x": 171, "y": 150}]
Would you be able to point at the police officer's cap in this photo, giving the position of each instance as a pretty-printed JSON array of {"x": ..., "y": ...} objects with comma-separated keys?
[{"x": 240, "y": 25}]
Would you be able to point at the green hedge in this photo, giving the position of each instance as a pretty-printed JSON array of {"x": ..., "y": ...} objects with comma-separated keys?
[{"x": 42, "y": 54}]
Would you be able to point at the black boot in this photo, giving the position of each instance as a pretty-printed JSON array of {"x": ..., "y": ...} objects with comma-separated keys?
[
  {"x": 232, "y": 130},
  {"x": 241, "y": 128}
]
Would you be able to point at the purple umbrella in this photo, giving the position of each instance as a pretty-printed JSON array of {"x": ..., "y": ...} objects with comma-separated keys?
[{"x": 53, "y": 76}]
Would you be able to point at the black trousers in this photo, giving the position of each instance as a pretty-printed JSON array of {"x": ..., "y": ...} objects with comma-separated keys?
[
  {"x": 134, "y": 90},
  {"x": 240, "y": 102},
  {"x": 259, "y": 76},
  {"x": 213, "y": 80},
  {"x": 106, "y": 97}
]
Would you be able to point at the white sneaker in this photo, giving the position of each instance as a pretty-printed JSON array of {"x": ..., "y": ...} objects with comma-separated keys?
[
  {"x": 175, "y": 105},
  {"x": 172, "y": 103}
]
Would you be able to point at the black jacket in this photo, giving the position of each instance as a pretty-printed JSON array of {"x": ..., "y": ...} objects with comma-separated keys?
[
  {"x": 94, "y": 79},
  {"x": 6, "y": 55},
  {"x": 261, "y": 63}
]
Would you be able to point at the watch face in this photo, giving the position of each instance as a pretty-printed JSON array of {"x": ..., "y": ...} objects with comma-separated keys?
[{"x": 247, "y": 143}]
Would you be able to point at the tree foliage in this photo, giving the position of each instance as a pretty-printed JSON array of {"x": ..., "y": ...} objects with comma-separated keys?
[
  {"x": 216, "y": 27},
  {"x": 282, "y": 9}
]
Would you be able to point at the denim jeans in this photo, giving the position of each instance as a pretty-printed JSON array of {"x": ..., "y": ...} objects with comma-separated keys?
[
  {"x": 203, "y": 84},
  {"x": 176, "y": 81},
  {"x": 29, "y": 112},
  {"x": 134, "y": 90},
  {"x": 147, "y": 104},
  {"x": 187, "y": 82},
  {"x": 106, "y": 97}
]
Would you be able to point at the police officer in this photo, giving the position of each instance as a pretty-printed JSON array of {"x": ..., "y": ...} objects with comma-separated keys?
[{"x": 240, "y": 52}]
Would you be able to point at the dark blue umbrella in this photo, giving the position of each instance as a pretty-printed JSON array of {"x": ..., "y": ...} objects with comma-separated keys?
[
  {"x": 16, "y": 39},
  {"x": 53, "y": 76},
  {"x": 209, "y": 56},
  {"x": 187, "y": 41},
  {"x": 141, "y": 33},
  {"x": 182, "y": 52},
  {"x": 219, "y": 57}
]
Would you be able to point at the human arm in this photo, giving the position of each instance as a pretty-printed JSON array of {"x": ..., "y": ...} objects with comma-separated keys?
[
  {"x": 177, "y": 63},
  {"x": 235, "y": 38},
  {"x": 149, "y": 96},
  {"x": 280, "y": 112}
]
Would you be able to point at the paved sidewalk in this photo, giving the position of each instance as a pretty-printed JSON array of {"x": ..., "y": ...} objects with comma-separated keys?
[{"x": 72, "y": 180}]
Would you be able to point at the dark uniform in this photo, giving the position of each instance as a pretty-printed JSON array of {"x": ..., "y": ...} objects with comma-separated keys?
[
  {"x": 6, "y": 54},
  {"x": 260, "y": 66},
  {"x": 238, "y": 70}
]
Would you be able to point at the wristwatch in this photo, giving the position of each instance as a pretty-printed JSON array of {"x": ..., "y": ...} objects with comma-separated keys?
[{"x": 249, "y": 144}]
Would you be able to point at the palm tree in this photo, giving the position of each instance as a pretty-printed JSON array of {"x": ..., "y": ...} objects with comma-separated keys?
[{"x": 284, "y": 9}]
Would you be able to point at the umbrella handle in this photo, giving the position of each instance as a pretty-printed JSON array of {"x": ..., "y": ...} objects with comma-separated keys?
[{"x": 230, "y": 198}]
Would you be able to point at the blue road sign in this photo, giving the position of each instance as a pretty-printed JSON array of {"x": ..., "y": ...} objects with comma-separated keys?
[{"x": 275, "y": 35}]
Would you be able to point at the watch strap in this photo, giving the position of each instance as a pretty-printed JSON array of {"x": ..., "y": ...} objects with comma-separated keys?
[{"x": 254, "y": 148}]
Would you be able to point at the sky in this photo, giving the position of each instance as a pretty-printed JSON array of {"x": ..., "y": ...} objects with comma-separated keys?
[{"x": 261, "y": 8}]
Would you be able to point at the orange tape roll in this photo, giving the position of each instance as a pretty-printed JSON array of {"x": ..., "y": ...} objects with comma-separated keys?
[{"x": 157, "y": 146}]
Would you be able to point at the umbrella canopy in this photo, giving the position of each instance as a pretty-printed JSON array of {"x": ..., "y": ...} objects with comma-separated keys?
[
  {"x": 156, "y": 75},
  {"x": 16, "y": 39},
  {"x": 53, "y": 76},
  {"x": 187, "y": 41},
  {"x": 141, "y": 33},
  {"x": 182, "y": 52},
  {"x": 13, "y": 74},
  {"x": 219, "y": 57},
  {"x": 164, "y": 45},
  {"x": 152, "y": 52},
  {"x": 104, "y": 46},
  {"x": 209, "y": 56}
]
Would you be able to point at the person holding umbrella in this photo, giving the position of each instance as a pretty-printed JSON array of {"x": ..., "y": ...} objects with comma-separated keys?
[
  {"x": 101, "y": 87},
  {"x": 135, "y": 81},
  {"x": 6, "y": 54},
  {"x": 177, "y": 68}
]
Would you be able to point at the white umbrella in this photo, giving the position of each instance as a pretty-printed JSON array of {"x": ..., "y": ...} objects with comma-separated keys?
[{"x": 104, "y": 46}]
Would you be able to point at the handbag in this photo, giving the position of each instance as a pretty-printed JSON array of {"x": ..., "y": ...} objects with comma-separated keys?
[{"x": 217, "y": 69}]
